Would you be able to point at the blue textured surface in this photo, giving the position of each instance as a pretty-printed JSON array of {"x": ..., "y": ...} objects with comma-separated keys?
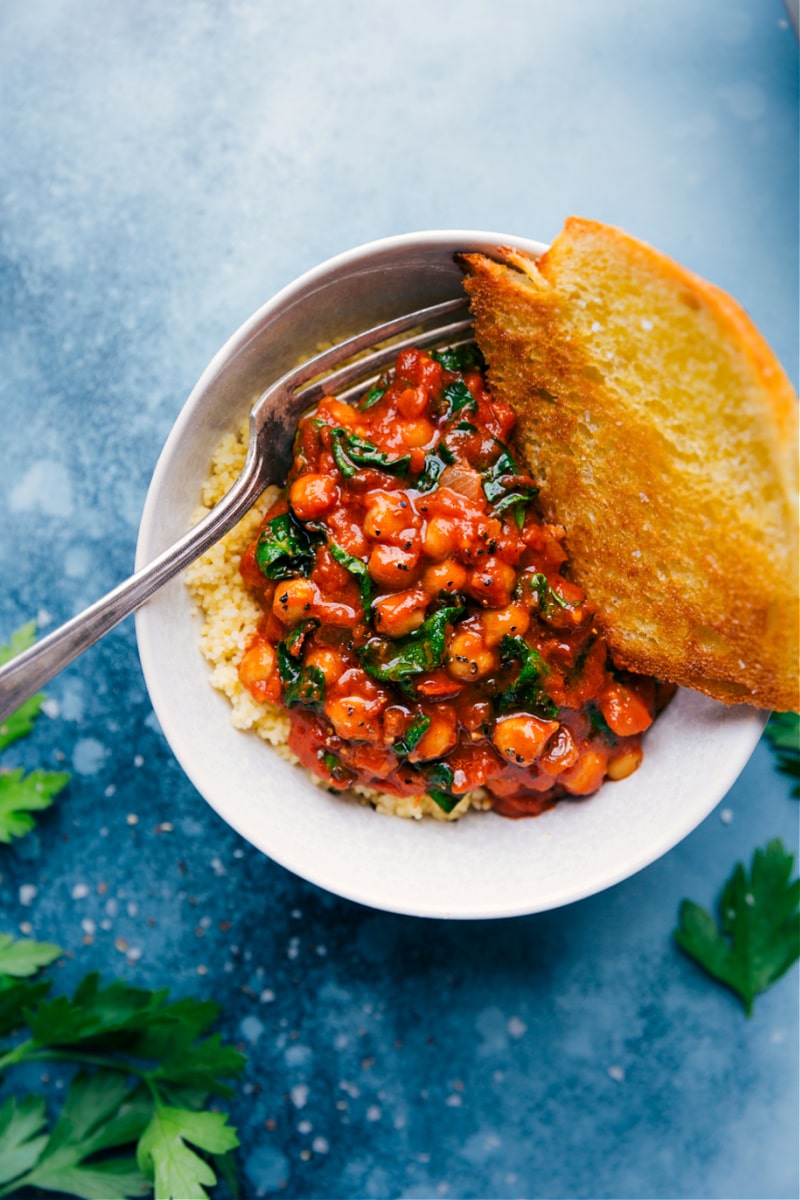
[{"x": 165, "y": 169}]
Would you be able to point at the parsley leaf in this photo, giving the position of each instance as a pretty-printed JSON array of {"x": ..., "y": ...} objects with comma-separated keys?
[
  {"x": 21, "y": 794},
  {"x": 757, "y": 936},
  {"x": 20, "y": 722},
  {"x": 21, "y": 1139},
  {"x": 25, "y": 957},
  {"x": 152, "y": 1072},
  {"x": 101, "y": 1113},
  {"x": 783, "y": 731},
  {"x": 16, "y": 997},
  {"x": 164, "y": 1156}
]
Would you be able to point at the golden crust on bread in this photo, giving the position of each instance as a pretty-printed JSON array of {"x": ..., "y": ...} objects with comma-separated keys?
[{"x": 663, "y": 433}]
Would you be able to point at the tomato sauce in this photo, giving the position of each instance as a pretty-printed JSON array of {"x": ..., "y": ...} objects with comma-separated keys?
[{"x": 418, "y": 627}]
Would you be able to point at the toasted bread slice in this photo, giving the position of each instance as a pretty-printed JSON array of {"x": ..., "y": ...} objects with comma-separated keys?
[{"x": 663, "y": 433}]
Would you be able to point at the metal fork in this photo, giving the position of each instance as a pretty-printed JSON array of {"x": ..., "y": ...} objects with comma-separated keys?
[{"x": 272, "y": 423}]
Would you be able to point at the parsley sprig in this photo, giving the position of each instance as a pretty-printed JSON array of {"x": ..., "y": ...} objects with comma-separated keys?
[
  {"x": 783, "y": 731},
  {"x": 21, "y": 794},
  {"x": 136, "y": 1117},
  {"x": 757, "y": 935}
]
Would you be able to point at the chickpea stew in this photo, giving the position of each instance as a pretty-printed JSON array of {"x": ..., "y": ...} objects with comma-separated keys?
[{"x": 417, "y": 627}]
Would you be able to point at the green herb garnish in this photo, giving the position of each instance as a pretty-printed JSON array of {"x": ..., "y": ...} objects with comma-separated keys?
[
  {"x": 286, "y": 548},
  {"x": 352, "y": 452},
  {"x": 757, "y": 936},
  {"x": 783, "y": 731},
  {"x": 131, "y": 1115},
  {"x": 21, "y": 794},
  {"x": 357, "y": 568},
  {"x": 412, "y": 736},
  {"x": 397, "y": 661},
  {"x": 460, "y": 358},
  {"x": 527, "y": 692},
  {"x": 20, "y": 722}
]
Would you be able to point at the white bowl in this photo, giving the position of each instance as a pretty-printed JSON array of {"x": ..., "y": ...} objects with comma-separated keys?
[{"x": 484, "y": 865}]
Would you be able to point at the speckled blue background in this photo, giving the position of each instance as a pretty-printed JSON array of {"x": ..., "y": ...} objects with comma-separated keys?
[{"x": 165, "y": 169}]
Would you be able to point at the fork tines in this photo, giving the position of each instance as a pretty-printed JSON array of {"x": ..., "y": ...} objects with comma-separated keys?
[{"x": 351, "y": 364}]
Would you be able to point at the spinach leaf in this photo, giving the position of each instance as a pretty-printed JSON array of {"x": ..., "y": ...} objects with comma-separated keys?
[
  {"x": 357, "y": 568},
  {"x": 336, "y": 768},
  {"x": 547, "y": 598},
  {"x": 505, "y": 486},
  {"x": 412, "y": 736},
  {"x": 375, "y": 393},
  {"x": 285, "y": 548},
  {"x": 301, "y": 684},
  {"x": 396, "y": 661},
  {"x": 600, "y": 725},
  {"x": 351, "y": 452},
  {"x": 439, "y": 778},
  {"x": 527, "y": 692},
  {"x": 460, "y": 358},
  {"x": 435, "y": 462},
  {"x": 459, "y": 398}
]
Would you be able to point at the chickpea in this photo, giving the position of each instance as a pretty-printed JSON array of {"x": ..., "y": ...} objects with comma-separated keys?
[
  {"x": 522, "y": 738},
  {"x": 293, "y": 600},
  {"x": 335, "y": 412},
  {"x": 328, "y": 661},
  {"x": 311, "y": 495},
  {"x": 354, "y": 718},
  {"x": 561, "y": 752},
  {"x": 415, "y": 433},
  {"x": 493, "y": 583},
  {"x": 468, "y": 656},
  {"x": 586, "y": 775},
  {"x": 402, "y": 612},
  {"x": 391, "y": 566},
  {"x": 439, "y": 738},
  {"x": 388, "y": 515},
  {"x": 448, "y": 576},
  {"x": 625, "y": 712},
  {"x": 498, "y": 622},
  {"x": 412, "y": 402},
  {"x": 625, "y": 763},
  {"x": 258, "y": 664},
  {"x": 440, "y": 539}
]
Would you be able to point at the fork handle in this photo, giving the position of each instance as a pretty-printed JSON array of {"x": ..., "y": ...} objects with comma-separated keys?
[{"x": 28, "y": 672}]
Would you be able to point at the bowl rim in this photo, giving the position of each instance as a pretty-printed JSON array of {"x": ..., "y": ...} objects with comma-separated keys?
[{"x": 749, "y": 722}]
